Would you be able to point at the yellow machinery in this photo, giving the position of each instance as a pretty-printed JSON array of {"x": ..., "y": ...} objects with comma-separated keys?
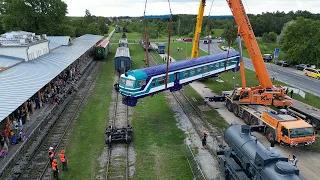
[{"x": 195, "y": 46}]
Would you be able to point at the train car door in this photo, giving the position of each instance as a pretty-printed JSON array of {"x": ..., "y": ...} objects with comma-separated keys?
[
  {"x": 122, "y": 64},
  {"x": 177, "y": 85}
]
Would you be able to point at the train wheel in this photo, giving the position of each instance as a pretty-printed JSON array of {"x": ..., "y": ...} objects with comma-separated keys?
[
  {"x": 246, "y": 117},
  {"x": 254, "y": 121},
  {"x": 229, "y": 105},
  {"x": 270, "y": 135},
  {"x": 236, "y": 110}
]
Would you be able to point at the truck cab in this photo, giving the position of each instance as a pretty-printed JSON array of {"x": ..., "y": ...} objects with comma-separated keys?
[{"x": 287, "y": 129}]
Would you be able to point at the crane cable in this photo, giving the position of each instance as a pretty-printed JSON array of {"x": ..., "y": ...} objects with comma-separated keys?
[
  {"x": 145, "y": 39},
  {"x": 209, "y": 28},
  {"x": 169, "y": 39}
]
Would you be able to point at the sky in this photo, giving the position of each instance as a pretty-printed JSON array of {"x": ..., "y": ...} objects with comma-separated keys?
[{"x": 110, "y": 8}]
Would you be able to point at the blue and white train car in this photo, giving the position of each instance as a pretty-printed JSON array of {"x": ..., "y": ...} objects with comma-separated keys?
[{"x": 139, "y": 83}]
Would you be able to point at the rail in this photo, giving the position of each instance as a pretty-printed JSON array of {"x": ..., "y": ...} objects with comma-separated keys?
[
  {"x": 194, "y": 166},
  {"x": 111, "y": 148},
  {"x": 72, "y": 119}
]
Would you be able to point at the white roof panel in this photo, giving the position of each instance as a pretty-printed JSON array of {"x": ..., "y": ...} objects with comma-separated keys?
[{"x": 20, "y": 82}]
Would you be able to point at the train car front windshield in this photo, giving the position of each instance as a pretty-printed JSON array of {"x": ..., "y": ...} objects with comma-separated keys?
[{"x": 126, "y": 82}]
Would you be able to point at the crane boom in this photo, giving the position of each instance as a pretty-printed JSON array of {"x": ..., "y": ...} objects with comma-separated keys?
[
  {"x": 195, "y": 46},
  {"x": 249, "y": 38}
]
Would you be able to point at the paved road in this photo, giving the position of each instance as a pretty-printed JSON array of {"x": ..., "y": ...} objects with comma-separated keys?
[{"x": 287, "y": 75}]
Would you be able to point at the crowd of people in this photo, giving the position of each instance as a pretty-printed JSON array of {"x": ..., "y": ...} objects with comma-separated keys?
[{"x": 53, "y": 93}]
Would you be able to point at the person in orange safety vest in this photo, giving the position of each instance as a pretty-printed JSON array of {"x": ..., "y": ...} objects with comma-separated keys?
[
  {"x": 55, "y": 169},
  {"x": 64, "y": 161}
]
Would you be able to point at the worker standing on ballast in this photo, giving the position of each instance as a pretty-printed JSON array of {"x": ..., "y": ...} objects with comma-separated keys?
[
  {"x": 55, "y": 169},
  {"x": 64, "y": 161},
  {"x": 204, "y": 140},
  {"x": 51, "y": 154}
]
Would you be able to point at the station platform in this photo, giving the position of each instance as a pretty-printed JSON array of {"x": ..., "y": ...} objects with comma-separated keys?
[{"x": 36, "y": 122}]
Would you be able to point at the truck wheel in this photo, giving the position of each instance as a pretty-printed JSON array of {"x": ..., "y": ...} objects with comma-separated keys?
[
  {"x": 254, "y": 121},
  {"x": 229, "y": 105},
  {"x": 246, "y": 117},
  {"x": 270, "y": 135},
  {"x": 236, "y": 110}
]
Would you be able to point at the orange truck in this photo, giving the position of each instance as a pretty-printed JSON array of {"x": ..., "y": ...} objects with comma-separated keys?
[{"x": 279, "y": 126}]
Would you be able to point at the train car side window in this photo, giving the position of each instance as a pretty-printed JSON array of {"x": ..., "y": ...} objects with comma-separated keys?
[
  {"x": 211, "y": 67},
  {"x": 191, "y": 72},
  {"x": 154, "y": 82},
  {"x": 141, "y": 83},
  {"x": 199, "y": 70},
  {"x": 161, "y": 80},
  {"x": 205, "y": 69},
  {"x": 185, "y": 74},
  {"x": 123, "y": 81}
]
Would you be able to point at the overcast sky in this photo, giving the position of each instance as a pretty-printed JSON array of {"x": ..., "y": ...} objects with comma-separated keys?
[{"x": 157, "y": 7}]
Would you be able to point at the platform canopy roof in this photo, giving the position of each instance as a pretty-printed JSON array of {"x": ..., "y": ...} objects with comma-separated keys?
[
  {"x": 7, "y": 61},
  {"x": 22, "y": 81},
  {"x": 57, "y": 41}
]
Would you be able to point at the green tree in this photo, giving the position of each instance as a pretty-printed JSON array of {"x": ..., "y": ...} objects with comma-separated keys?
[
  {"x": 228, "y": 32},
  {"x": 103, "y": 25},
  {"x": 38, "y": 16},
  {"x": 88, "y": 18},
  {"x": 93, "y": 28},
  {"x": 301, "y": 45},
  {"x": 269, "y": 37}
]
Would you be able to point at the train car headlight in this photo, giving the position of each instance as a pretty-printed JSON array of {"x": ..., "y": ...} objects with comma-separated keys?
[{"x": 291, "y": 142}]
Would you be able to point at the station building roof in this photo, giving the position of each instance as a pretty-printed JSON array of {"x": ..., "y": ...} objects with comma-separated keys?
[
  {"x": 20, "y": 82},
  {"x": 7, "y": 61},
  {"x": 57, "y": 41}
]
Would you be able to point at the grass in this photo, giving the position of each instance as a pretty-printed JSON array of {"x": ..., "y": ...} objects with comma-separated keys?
[
  {"x": 212, "y": 116},
  {"x": 182, "y": 55},
  {"x": 158, "y": 142},
  {"x": 218, "y": 32},
  {"x": 87, "y": 140}
]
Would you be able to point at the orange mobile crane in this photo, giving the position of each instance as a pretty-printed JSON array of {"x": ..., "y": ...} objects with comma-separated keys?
[
  {"x": 265, "y": 93},
  {"x": 250, "y": 104}
]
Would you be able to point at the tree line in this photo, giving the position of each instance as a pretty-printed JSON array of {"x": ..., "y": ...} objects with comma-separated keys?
[
  {"x": 296, "y": 32},
  {"x": 48, "y": 17}
]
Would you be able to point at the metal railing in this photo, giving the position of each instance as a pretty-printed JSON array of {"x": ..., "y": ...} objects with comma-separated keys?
[{"x": 194, "y": 166}]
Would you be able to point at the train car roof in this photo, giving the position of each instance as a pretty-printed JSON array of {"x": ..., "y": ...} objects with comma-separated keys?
[
  {"x": 122, "y": 52},
  {"x": 103, "y": 43},
  {"x": 160, "y": 69},
  {"x": 121, "y": 40}
]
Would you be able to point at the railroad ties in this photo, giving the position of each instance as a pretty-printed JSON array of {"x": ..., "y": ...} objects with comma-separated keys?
[{"x": 118, "y": 138}]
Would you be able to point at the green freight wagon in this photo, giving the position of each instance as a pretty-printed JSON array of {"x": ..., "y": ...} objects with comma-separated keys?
[{"x": 102, "y": 49}]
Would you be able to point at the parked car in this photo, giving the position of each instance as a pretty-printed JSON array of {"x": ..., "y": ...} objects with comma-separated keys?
[
  {"x": 224, "y": 48},
  {"x": 315, "y": 73},
  {"x": 267, "y": 57},
  {"x": 302, "y": 66},
  {"x": 188, "y": 40},
  {"x": 283, "y": 63}
]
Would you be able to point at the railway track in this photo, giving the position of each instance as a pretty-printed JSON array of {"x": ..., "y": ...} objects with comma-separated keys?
[
  {"x": 194, "y": 115},
  {"x": 118, "y": 154},
  {"x": 37, "y": 165}
]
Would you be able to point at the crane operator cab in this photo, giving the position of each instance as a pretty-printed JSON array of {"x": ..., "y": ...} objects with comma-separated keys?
[{"x": 257, "y": 95}]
